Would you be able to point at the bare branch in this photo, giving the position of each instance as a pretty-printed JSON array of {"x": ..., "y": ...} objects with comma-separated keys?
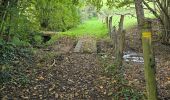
[
  {"x": 163, "y": 10},
  {"x": 153, "y": 11}
]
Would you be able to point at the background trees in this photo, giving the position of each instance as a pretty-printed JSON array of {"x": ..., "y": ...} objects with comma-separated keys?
[
  {"x": 24, "y": 18},
  {"x": 57, "y": 15},
  {"x": 161, "y": 11}
]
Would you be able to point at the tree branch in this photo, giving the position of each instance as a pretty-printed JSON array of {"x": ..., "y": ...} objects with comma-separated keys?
[
  {"x": 163, "y": 10},
  {"x": 153, "y": 11}
]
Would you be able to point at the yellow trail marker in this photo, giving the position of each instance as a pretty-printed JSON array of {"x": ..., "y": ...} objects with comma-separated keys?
[{"x": 146, "y": 34}]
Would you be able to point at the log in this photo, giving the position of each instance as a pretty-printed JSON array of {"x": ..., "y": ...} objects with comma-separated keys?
[
  {"x": 86, "y": 45},
  {"x": 78, "y": 46}
]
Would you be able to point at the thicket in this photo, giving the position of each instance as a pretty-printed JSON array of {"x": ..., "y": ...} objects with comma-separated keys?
[{"x": 21, "y": 21}]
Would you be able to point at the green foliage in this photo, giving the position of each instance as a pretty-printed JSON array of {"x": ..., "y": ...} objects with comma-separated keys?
[
  {"x": 17, "y": 42},
  {"x": 11, "y": 64},
  {"x": 38, "y": 39},
  {"x": 7, "y": 74},
  {"x": 87, "y": 28},
  {"x": 100, "y": 30},
  {"x": 124, "y": 92},
  {"x": 22, "y": 79},
  {"x": 7, "y": 53},
  {"x": 110, "y": 69},
  {"x": 97, "y": 3},
  {"x": 54, "y": 38},
  {"x": 127, "y": 93},
  {"x": 57, "y": 15},
  {"x": 119, "y": 3}
]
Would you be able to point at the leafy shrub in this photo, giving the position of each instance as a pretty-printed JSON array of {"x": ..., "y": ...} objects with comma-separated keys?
[
  {"x": 38, "y": 39},
  {"x": 17, "y": 42}
]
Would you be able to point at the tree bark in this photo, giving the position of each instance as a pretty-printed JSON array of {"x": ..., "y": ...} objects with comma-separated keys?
[
  {"x": 140, "y": 15},
  {"x": 166, "y": 21}
]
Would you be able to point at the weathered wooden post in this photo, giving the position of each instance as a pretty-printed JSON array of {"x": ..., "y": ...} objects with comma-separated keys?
[
  {"x": 110, "y": 26},
  {"x": 107, "y": 21},
  {"x": 121, "y": 42},
  {"x": 120, "y": 50},
  {"x": 114, "y": 37},
  {"x": 149, "y": 62}
]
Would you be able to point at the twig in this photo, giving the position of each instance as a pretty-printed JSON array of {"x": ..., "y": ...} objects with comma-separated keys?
[{"x": 53, "y": 63}]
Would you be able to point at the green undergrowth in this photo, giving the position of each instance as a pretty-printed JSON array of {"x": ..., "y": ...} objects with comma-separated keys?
[
  {"x": 12, "y": 62},
  {"x": 124, "y": 91}
]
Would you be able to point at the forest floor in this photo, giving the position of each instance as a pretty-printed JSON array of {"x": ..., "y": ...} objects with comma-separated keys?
[{"x": 56, "y": 72}]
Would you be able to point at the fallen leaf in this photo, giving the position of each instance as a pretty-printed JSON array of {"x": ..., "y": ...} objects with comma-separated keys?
[{"x": 40, "y": 78}]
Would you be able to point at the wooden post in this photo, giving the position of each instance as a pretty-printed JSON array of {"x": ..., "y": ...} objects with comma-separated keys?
[
  {"x": 149, "y": 63},
  {"x": 121, "y": 42},
  {"x": 110, "y": 26},
  {"x": 107, "y": 21},
  {"x": 120, "y": 49},
  {"x": 114, "y": 37}
]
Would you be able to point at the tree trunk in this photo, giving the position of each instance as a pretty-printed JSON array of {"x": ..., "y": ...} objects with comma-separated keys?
[
  {"x": 140, "y": 15},
  {"x": 165, "y": 16}
]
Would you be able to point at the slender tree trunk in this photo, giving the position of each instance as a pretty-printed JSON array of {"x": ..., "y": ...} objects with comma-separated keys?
[{"x": 140, "y": 15}]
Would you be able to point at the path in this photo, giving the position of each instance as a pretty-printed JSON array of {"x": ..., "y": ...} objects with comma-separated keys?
[
  {"x": 64, "y": 74},
  {"x": 60, "y": 73}
]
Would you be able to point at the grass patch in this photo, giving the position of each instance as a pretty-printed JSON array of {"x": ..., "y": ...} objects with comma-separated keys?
[
  {"x": 92, "y": 27},
  {"x": 95, "y": 27}
]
